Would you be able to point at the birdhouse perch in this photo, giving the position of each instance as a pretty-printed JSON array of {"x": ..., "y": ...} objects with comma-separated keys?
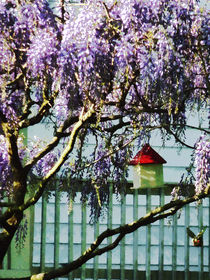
[{"x": 148, "y": 168}]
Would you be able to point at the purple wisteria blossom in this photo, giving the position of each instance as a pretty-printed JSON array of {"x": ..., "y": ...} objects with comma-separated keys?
[
  {"x": 138, "y": 63},
  {"x": 45, "y": 163},
  {"x": 6, "y": 180},
  {"x": 202, "y": 165}
]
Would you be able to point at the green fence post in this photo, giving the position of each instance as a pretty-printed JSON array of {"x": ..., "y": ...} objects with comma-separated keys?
[
  {"x": 135, "y": 235},
  {"x": 83, "y": 245},
  {"x": 95, "y": 266},
  {"x": 161, "y": 237},
  {"x": 200, "y": 252},
  {"x": 148, "y": 241},
  {"x": 5, "y": 261},
  {"x": 21, "y": 258},
  {"x": 70, "y": 238},
  {"x": 57, "y": 229},
  {"x": 174, "y": 246},
  {"x": 43, "y": 233},
  {"x": 109, "y": 225},
  {"x": 187, "y": 218},
  {"x": 122, "y": 243}
]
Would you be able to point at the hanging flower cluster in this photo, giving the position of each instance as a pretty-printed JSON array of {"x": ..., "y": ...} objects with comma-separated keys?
[
  {"x": 6, "y": 178},
  {"x": 202, "y": 165},
  {"x": 138, "y": 64},
  {"x": 43, "y": 165}
]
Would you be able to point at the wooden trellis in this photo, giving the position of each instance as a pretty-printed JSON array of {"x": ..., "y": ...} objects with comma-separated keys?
[{"x": 153, "y": 252}]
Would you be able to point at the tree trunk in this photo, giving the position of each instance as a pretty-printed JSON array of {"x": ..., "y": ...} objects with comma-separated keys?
[
  {"x": 11, "y": 224},
  {"x": 7, "y": 235}
]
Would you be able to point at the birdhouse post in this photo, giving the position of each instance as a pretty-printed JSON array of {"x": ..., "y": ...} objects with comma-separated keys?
[{"x": 148, "y": 168}]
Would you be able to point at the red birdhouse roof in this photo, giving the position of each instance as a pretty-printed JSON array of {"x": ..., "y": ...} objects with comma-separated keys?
[{"x": 147, "y": 156}]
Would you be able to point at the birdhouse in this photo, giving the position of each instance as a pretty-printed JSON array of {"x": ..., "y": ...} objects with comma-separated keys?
[{"x": 148, "y": 168}]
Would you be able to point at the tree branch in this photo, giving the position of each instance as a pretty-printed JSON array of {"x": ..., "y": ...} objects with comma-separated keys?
[
  {"x": 58, "y": 135},
  {"x": 82, "y": 119},
  {"x": 107, "y": 155},
  {"x": 6, "y": 204},
  {"x": 197, "y": 128},
  {"x": 167, "y": 128},
  {"x": 44, "y": 108},
  {"x": 31, "y": 201}
]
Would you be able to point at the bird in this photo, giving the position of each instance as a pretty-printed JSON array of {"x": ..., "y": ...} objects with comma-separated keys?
[{"x": 197, "y": 239}]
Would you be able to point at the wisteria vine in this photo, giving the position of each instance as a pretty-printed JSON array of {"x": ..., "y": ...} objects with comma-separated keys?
[{"x": 138, "y": 65}]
